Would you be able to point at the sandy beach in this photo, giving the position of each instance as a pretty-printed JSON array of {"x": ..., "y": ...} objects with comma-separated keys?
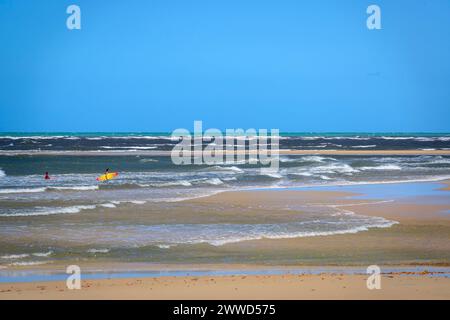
[{"x": 289, "y": 287}]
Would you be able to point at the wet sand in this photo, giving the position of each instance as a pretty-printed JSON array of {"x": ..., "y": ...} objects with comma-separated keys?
[
  {"x": 447, "y": 185},
  {"x": 421, "y": 238}
]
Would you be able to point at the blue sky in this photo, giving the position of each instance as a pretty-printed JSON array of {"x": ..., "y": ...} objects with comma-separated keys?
[{"x": 159, "y": 65}]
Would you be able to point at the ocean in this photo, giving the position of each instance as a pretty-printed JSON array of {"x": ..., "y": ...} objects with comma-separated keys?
[
  {"x": 143, "y": 215},
  {"x": 69, "y": 141}
]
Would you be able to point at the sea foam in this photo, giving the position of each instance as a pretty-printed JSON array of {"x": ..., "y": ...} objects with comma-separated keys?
[
  {"x": 43, "y": 189},
  {"x": 22, "y": 190},
  {"x": 45, "y": 211},
  {"x": 97, "y": 251},
  {"x": 382, "y": 167}
]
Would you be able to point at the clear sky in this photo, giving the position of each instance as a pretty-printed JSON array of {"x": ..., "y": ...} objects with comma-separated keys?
[{"x": 158, "y": 65}]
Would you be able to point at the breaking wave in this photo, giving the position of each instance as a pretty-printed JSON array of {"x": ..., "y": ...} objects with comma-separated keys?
[{"x": 43, "y": 189}]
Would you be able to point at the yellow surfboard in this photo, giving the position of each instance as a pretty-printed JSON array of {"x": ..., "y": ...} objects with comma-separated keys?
[{"x": 108, "y": 176}]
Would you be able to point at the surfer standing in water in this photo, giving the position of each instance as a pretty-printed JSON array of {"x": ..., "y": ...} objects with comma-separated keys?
[
  {"x": 106, "y": 176},
  {"x": 47, "y": 177}
]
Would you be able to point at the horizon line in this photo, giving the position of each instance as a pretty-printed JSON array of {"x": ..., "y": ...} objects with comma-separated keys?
[{"x": 169, "y": 132}]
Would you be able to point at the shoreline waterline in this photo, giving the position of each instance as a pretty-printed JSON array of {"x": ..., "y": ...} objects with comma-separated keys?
[{"x": 151, "y": 271}]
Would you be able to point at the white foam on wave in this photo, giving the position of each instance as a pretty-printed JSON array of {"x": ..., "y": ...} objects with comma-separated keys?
[
  {"x": 323, "y": 145},
  {"x": 46, "y": 211},
  {"x": 316, "y": 158},
  {"x": 302, "y": 234},
  {"x": 440, "y": 160},
  {"x": 236, "y": 162},
  {"x": 128, "y": 201},
  {"x": 382, "y": 167},
  {"x": 28, "y": 263},
  {"x": 135, "y": 137},
  {"x": 164, "y": 246},
  {"x": 430, "y": 139},
  {"x": 26, "y": 255},
  {"x": 421, "y": 139},
  {"x": 138, "y": 202},
  {"x": 334, "y": 168},
  {"x": 319, "y": 159},
  {"x": 233, "y": 169},
  {"x": 213, "y": 181},
  {"x": 108, "y": 205},
  {"x": 43, "y": 189},
  {"x": 304, "y": 174},
  {"x": 274, "y": 175},
  {"x": 348, "y": 138},
  {"x": 38, "y": 137},
  {"x": 97, "y": 250},
  {"x": 287, "y": 159},
  {"x": 130, "y": 147},
  {"x": 166, "y": 235},
  {"x": 22, "y": 190},
  {"x": 229, "y": 179},
  {"x": 183, "y": 183},
  {"x": 2, "y": 173},
  {"x": 43, "y": 254},
  {"x": 148, "y": 160},
  {"x": 75, "y": 188},
  {"x": 204, "y": 194},
  {"x": 365, "y": 146},
  {"x": 95, "y": 138},
  {"x": 397, "y": 138},
  {"x": 15, "y": 256},
  {"x": 329, "y": 138}
]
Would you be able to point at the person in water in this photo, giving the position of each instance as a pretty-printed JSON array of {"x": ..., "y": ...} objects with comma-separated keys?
[
  {"x": 47, "y": 177},
  {"x": 106, "y": 173}
]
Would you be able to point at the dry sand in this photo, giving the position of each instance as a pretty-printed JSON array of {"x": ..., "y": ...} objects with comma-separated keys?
[{"x": 291, "y": 287}]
